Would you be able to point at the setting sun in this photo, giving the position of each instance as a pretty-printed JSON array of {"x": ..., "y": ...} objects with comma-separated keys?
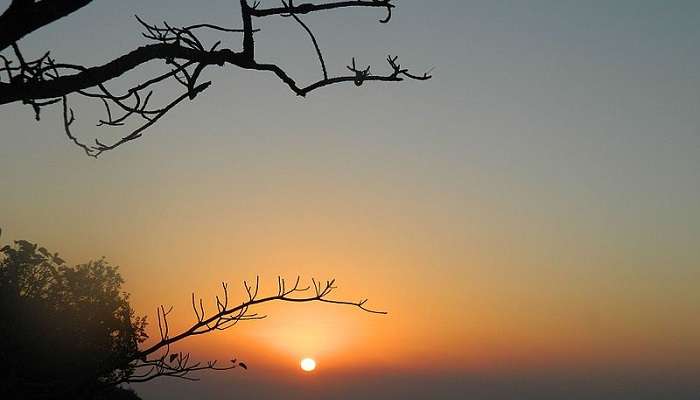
[
  {"x": 350, "y": 200},
  {"x": 308, "y": 364}
]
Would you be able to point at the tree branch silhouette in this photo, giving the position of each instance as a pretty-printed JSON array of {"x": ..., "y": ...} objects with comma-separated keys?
[
  {"x": 75, "y": 332},
  {"x": 23, "y": 17},
  {"x": 158, "y": 360},
  {"x": 43, "y": 81}
]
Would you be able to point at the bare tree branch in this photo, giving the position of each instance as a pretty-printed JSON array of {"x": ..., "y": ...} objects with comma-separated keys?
[
  {"x": 309, "y": 7},
  {"x": 311, "y": 36},
  {"x": 25, "y": 16},
  {"x": 42, "y": 82},
  {"x": 158, "y": 360},
  {"x": 20, "y": 89}
]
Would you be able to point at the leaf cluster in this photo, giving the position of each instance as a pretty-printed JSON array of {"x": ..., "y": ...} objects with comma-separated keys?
[{"x": 64, "y": 330}]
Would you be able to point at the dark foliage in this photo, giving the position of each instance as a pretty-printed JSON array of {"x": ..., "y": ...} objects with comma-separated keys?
[
  {"x": 65, "y": 331},
  {"x": 69, "y": 332}
]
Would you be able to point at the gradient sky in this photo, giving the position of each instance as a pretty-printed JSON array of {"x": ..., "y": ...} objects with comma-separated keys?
[{"x": 530, "y": 217}]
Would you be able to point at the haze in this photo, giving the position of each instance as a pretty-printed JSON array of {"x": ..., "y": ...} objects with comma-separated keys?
[{"x": 530, "y": 218}]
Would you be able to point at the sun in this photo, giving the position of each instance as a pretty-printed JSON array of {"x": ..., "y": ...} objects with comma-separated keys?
[{"x": 308, "y": 364}]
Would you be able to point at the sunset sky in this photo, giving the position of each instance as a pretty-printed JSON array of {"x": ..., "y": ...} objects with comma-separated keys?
[{"x": 530, "y": 218}]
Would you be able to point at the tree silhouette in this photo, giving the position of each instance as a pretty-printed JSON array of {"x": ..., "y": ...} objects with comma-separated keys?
[
  {"x": 64, "y": 330},
  {"x": 69, "y": 331},
  {"x": 44, "y": 81}
]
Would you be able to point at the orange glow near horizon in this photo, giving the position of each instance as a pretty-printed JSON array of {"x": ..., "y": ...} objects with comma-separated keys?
[
  {"x": 532, "y": 210},
  {"x": 467, "y": 285}
]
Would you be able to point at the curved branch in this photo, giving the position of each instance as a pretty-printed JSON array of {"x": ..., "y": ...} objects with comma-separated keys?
[
  {"x": 397, "y": 75},
  {"x": 90, "y": 77},
  {"x": 309, "y": 7},
  {"x": 101, "y": 147},
  {"x": 24, "y": 17},
  {"x": 147, "y": 365},
  {"x": 43, "y": 82},
  {"x": 312, "y": 37},
  {"x": 226, "y": 317}
]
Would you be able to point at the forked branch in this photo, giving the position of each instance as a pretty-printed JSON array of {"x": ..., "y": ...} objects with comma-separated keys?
[
  {"x": 158, "y": 360},
  {"x": 43, "y": 82}
]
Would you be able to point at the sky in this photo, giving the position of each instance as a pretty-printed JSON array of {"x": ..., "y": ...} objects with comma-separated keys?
[{"x": 529, "y": 218}]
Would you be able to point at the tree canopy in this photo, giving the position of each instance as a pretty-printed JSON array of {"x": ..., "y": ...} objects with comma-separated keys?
[
  {"x": 64, "y": 330},
  {"x": 70, "y": 332}
]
